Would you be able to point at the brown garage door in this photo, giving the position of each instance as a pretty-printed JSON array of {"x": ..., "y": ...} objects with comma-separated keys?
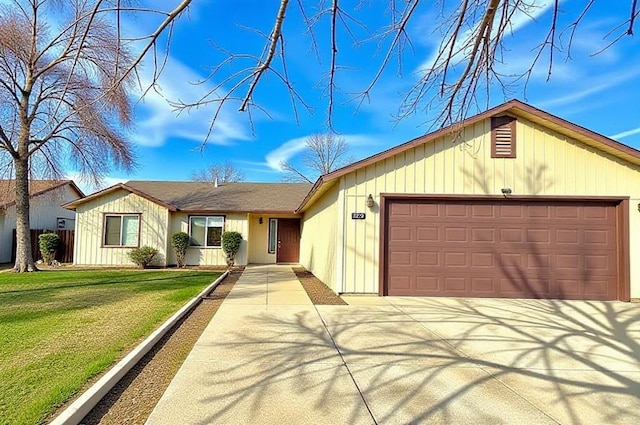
[{"x": 506, "y": 248}]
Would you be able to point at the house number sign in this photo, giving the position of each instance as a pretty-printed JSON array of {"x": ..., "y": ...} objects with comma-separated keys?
[{"x": 358, "y": 216}]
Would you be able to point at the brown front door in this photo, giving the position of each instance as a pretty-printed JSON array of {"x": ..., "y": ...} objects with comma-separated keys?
[
  {"x": 512, "y": 249},
  {"x": 288, "y": 240}
]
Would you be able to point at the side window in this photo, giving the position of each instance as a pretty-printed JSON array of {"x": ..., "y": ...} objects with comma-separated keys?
[{"x": 273, "y": 235}]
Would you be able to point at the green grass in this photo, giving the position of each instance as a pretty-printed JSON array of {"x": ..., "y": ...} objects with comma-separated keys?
[{"x": 60, "y": 328}]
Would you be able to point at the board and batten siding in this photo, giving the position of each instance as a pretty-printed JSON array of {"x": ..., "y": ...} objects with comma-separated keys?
[
  {"x": 237, "y": 222},
  {"x": 320, "y": 236},
  {"x": 154, "y": 222},
  {"x": 44, "y": 211},
  {"x": 546, "y": 164}
]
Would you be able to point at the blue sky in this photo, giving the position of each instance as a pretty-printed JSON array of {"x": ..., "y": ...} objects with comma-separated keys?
[{"x": 597, "y": 91}]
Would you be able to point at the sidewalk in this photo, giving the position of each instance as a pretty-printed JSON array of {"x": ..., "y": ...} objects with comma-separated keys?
[{"x": 265, "y": 358}]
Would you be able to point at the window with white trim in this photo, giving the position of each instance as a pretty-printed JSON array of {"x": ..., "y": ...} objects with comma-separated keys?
[
  {"x": 273, "y": 235},
  {"x": 121, "y": 230},
  {"x": 206, "y": 231}
]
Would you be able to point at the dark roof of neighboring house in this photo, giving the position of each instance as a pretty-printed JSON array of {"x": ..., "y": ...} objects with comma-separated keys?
[
  {"x": 36, "y": 188},
  {"x": 513, "y": 107},
  {"x": 205, "y": 197}
]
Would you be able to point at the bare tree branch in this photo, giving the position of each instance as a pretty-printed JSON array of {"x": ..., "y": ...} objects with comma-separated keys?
[
  {"x": 222, "y": 172},
  {"x": 323, "y": 154}
]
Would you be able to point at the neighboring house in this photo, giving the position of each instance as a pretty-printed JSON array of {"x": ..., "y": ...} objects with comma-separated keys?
[
  {"x": 513, "y": 202},
  {"x": 45, "y": 211}
]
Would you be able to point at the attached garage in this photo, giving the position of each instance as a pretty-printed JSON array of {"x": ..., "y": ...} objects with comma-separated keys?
[
  {"x": 513, "y": 202},
  {"x": 504, "y": 247}
]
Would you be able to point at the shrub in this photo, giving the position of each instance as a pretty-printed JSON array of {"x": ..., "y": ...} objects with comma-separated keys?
[
  {"x": 142, "y": 256},
  {"x": 180, "y": 242},
  {"x": 48, "y": 244},
  {"x": 231, "y": 245}
]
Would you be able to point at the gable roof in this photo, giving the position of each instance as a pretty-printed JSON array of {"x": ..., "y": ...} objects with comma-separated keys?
[
  {"x": 205, "y": 197},
  {"x": 513, "y": 107},
  {"x": 36, "y": 188}
]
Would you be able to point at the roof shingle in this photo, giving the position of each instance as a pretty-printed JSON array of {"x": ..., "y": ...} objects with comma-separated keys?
[
  {"x": 36, "y": 187},
  {"x": 231, "y": 197}
]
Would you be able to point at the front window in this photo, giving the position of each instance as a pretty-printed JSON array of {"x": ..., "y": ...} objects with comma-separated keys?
[
  {"x": 206, "y": 231},
  {"x": 121, "y": 230}
]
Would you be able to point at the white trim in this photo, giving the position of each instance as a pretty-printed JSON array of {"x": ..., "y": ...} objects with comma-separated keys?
[{"x": 340, "y": 242}]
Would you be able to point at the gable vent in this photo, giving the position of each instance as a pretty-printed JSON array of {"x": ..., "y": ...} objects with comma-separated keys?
[{"x": 503, "y": 137}]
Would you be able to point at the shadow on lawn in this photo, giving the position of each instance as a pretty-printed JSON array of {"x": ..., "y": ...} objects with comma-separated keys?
[
  {"x": 24, "y": 305},
  {"x": 146, "y": 284}
]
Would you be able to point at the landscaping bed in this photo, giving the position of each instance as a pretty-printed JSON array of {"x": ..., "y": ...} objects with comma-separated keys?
[
  {"x": 58, "y": 329},
  {"x": 319, "y": 293}
]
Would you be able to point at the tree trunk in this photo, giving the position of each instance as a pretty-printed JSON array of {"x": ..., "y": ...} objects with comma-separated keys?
[{"x": 24, "y": 256}]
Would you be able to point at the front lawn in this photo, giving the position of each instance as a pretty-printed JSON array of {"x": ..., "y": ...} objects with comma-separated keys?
[{"x": 60, "y": 328}]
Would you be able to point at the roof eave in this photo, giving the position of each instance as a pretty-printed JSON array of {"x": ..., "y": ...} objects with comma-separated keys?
[{"x": 119, "y": 186}]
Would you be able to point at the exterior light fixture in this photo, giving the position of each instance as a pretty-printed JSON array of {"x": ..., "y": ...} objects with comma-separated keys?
[
  {"x": 370, "y": 202},
  {"x": 506, "y": 192},
  {"x": 260, "y": 220}
]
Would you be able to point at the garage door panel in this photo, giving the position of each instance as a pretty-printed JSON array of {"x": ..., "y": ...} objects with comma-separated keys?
[
  {"x": 456, "y": 235},
  {"x": 522, "y": 249},
  {"x": 511, "y": 235},
  {"x": 567, "y": 236},
  {"x": 456, "y": 210},
  {"x": 483, "y": 211},
  {"x": 517, "y": 287},
  {"x": 455, "y": 285},
  {"x": 538, "y": 212},
  {"x": 483, "y": 259},
  {"x": 428, "y": 258},
  {"x": 483, "y": 235},
  {"x": 483, "y": 285},
  {"x": 511, "y": 211},
  {"x": 427, "y": 234}
]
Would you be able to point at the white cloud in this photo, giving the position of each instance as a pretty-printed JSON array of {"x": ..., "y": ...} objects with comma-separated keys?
[
  {"x": 624, "y": 134},
  {"x": 159, "y": 120},
  {"x": 292, "y": 147},
  {"x": 592, "y": 86},
  {"x": 523, "y": 16},
  {"x": 276, "y": 157}
]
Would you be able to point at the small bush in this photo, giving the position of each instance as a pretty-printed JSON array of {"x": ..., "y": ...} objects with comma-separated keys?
[
  {"x": 48, "y": 244},
  {"x": 180, "y": 242},
  {"x": 231, "y": 245},
  {"x": 142, "y": 256}
]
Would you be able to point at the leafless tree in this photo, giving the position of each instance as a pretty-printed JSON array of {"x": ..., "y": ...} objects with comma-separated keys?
[
  {"x": 323, "y": 154},
  {"x": 460, "y": 75},
  {"x": 222, "y": 172},
  {"x": 66, "y": 72}
]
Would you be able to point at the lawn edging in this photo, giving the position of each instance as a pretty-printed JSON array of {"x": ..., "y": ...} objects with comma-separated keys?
[{"x": 77, "y": 410}]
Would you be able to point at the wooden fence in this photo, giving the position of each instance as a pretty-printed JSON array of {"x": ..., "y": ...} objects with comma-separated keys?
[{"x": 65, "y": 250}]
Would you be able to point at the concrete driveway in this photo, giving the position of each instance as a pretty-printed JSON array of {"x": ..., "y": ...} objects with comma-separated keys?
[{"x": 270, "y": 357}]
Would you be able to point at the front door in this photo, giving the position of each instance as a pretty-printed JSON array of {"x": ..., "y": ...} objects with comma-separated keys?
[{"x": 288, "y": 240}]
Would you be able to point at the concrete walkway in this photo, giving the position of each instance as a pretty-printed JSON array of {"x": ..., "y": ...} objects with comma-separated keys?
[{"x": 270, "y": 357}]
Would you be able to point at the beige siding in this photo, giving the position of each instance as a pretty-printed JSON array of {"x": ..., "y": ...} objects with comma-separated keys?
[
  {"x": 154, "y": 222},
  {"x": 319, "y": 241},
  {"x": 44, "y": 211},
  {"x": 259, "y": 240},
  {"x": 211, "y": 256},
  {"x": 547, "y": 164}
]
